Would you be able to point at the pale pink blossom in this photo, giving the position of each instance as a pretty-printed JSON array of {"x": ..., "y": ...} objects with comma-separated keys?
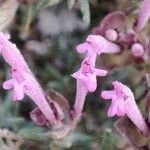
[
  {"x": 23, "y": 81},
  {"x": 87, "y": 75},
  {"x": 96, "y": 44},
  {"x": 86, "y": 82},
  {"x": 143, "y": 16},
  {"x": 123, "y": 102},
  {"x": 20, "y": 80}
]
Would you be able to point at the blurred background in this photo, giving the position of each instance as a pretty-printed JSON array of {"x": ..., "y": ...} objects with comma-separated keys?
[{"x": 47, "y": 33}]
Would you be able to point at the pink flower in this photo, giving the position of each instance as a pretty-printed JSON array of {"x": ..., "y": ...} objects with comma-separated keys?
[
  {"x": 23, "y": 80},
  {"x": 96, "y": 44},
  {"x": 123, "y": 102},
  {"x": 143, "y": 16},
  {"x": 86, "y": 82},
  {"x": 87, "y": 75},
  {"x": 20, "y": 80}
]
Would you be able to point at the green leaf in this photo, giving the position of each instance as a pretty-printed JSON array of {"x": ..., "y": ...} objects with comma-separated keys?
[
  {"x": 33, "y": 133},
  {"x": 11, "y": 122},
  {"x": 85, "y": 10},
  {"x": 75, "y": 139},
  {"x": 7, "y": 106},
  {"x": 53, "y": 72},
  {"x": 106, "y": 140},
  {"x": 40, "y": 5}
]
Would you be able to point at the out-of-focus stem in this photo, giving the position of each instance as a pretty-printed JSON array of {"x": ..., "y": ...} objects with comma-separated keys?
[{"x": 143, "y": 16}]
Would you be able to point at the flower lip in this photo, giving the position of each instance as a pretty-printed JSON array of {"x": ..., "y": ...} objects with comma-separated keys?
[
  {"x": 18, "y": 82},
  {"x": 119, "y": 95},
  {"x": 87, "y": 74}
]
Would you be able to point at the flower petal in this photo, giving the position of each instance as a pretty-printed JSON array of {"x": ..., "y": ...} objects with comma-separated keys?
[
  {"x": 78, "y": 75},
  {"x": 18, "y": 92},
  {"x": 121, "y": 108},
  {"x": 90, "y": 83},
  {"x": 107, "y": 94},
  {"x": 112, "y": 111},
  {"x": 100, "y": 72},
  {"x": 82, "y": 48},
  {"x": 97, "y": 42},
  {"x": 8, "y": 84}
]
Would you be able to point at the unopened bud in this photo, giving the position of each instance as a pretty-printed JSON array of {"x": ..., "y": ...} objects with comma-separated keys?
[
  {"x": 137, "y": 50},
  {"x": 111, "y": 34}
]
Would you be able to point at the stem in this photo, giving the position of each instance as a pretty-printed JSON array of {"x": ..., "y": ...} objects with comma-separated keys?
[
  {"x": 81, "y": 93},
  {"x": 29, "y": 17}
]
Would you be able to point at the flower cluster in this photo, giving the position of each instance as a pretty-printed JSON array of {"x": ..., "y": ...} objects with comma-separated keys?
[
  {"x": 123, "y": 102},
  {"x": 107, "y": 39},
  {"x": 87, "y": 74},
  {"x": 110, "y": 34}
]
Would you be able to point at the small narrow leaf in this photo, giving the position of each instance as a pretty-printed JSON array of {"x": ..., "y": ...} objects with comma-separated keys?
[
  {"x": 7, "y": 12},
  {"x": 70, "y": 3},
  {"x": 85, "y": 9}
]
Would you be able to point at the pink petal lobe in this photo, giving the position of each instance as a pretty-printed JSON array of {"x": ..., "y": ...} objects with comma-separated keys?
[
  {"x": 97, "y": 42},
  {"x": 112, "y": 111},
  {"x": 78, "y": 75},
  {"x": 100, "y": 72},
  {"x": 8, "y": 84},
  {"x": 111, "y": 48},
  {"x": 18, "y": 92},
  {"x": 82, "y": 48},
  {"x": 90, "y": 83},
  {"x": 107, "y": 94},
  {"x": 120, "y": 108}
]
